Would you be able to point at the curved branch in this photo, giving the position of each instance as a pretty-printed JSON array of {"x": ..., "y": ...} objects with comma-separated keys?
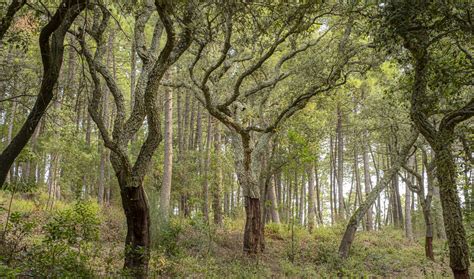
[{"x": 6, "y": 21}]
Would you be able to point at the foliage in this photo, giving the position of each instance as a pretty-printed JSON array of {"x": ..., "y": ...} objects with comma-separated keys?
[
  {"x": 65, "y": 249},
  {"x": 13, "y": 243},
  {"x": 74, "y": 226}
]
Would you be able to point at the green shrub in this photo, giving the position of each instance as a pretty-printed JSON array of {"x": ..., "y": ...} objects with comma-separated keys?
[
  {"x": 74, "y": 225},
  {"x": 13, "y": 240},
  {"x": 66, "y": 247},
  {"x": 57, "y": 260},
  {"x": 166, "y": 238}
]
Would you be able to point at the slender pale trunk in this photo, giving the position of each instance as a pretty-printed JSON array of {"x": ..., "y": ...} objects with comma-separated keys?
[
  {"x": 311, "y": 199},
  {"x": 218, "y": 180},
  {"x": 358, "y": 196},
  {"x": 408, "y": 224},
  {"x": 191, "y": 124},
  {"x": 165, "y": 193},
  {"x": 367, "y": 184},
  {"x": 340, "y": 166},
  {"x": 319, "y": 208},
  {"x": 331, "y": 179},
  {"x": 274, "y": 203},
  {"x": 207, "y": 162}
]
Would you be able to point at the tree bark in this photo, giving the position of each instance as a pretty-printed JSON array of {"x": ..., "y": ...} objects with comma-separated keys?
[
  {"x": 274, "y": 203},
  {"x": 218, "y": 180},
  {"x": 302, "y": 206},
  {"x": 253, "y": 238},
  {"x": 446, "y": 174},
  {"x": 137, "y": 241},
  {"x": 367, "y": 183},
  {"x": 248, "y": 168},
  {"x": 340, "y": 166},
  {"x": 130, "y": 175},
  {"x": 408, "y": 224},
  {"x": 207, "y": 163},
  {"x": 318, "y": 197},
  {"x": 165, "y": 192},
  {"x": 438, "y": 214},
  {"x": 104, "y": 154},
  {"x": 311, "y": 199},
  {"x": 331, "y": 179}
]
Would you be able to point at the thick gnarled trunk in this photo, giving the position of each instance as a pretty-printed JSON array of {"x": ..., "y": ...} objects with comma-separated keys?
[
  {"x": 446, "y": 174},
  {"x": 248, "y": 166},
  {"x": 137, "y": 241},
  {"x": 440, "y": 139},
  {"x": 253, "y": 233}
]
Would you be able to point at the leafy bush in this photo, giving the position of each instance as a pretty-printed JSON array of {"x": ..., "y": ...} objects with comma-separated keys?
[
  {"x": 66, "y": 246},
  {"x": 57, "y": 260},
  {"x": 13, "y": 241},
  {"x": 74, "y": 225},
  {"x": 166, "y": 239}
]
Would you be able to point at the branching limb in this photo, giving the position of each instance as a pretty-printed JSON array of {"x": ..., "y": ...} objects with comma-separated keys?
[{"x": 6, "y": 21}]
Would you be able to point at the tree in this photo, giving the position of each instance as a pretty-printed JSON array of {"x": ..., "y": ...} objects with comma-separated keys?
[
  {"x": 51, "y": 42},
  {"x": 425, "y": 200},
  {"x": 423, "y": 28},
  {"x": 130, "y": 175},
  {"x": 250, "y": 140},
  {"x": 168, "y": 157}
]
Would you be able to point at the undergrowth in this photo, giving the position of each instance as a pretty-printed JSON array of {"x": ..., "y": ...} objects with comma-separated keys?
[{"x": 73, "y": 241}]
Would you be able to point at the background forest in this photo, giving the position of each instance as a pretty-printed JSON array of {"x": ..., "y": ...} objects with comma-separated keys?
[{"x": 236, "y": 139}]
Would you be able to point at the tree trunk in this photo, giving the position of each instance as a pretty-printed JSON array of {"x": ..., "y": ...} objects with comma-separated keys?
[
  {"x": 302, "y": 206},
  {"x": 133, "y": 73},
  {"x": 440, "y": 140},
  {"x": 446, "y": 174},
  {"x": 165, "y": 193},
  {"x": 359, "y": 214},
  {"x": 408, "y": 224},
  {"x": 369, "y": 224},
  {"x": 429, "y": 231},
  {"x": 311, "y": 206},
  {"x": 319, "y": 208},
  {"x": 137, "y": 241},
  {"x": 248, "y": 169},
  {"x": 207, "y": 162},
  {"x": 274, "y": 203},
  {"x": 340, "y": 166},
  {"x": 357, "y": 180},
  {"x": 253, "y": 238},
  {"x": 332, "y": 179},
  {"x": 218, "y": 180}
]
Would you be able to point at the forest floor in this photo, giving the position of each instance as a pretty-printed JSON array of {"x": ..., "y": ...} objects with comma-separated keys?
[{"x": 193, "y": 249}]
